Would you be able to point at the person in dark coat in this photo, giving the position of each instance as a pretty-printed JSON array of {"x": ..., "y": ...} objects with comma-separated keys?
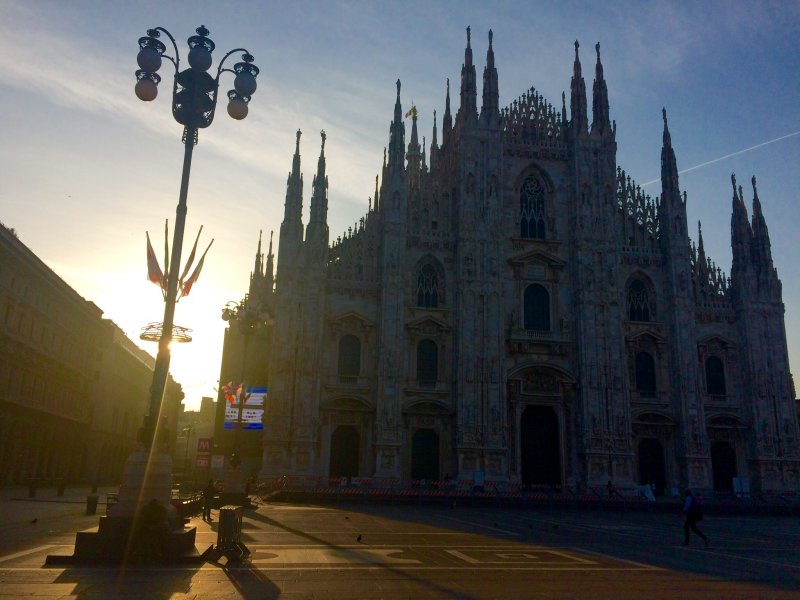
[
  {"x": 208, "y": 497},
  {"x": 694, "y": 513}
]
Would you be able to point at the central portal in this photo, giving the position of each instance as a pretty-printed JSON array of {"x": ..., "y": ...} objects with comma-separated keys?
[
  {"x": 344, "y": 452},
  {"x": 540, "y": 448}
]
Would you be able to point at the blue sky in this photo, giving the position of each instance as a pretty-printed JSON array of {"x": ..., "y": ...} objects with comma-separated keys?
[{"x": 87, "y": 168}]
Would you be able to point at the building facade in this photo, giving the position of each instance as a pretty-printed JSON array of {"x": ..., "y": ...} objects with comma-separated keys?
[
  {"x": 73, "y": 387},
  {"x": 513, "y": 307}
]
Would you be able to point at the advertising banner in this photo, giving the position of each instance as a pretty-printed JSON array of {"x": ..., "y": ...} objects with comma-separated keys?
[
  {"x": 252, "y": 411},
  {"x": 202, "y": 461}
]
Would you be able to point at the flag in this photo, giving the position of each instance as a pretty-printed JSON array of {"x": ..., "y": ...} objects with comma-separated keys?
[
  {"x": 412, "y": 112},
  {"x": 186, "y": 286},
  {"x": 229, "y": 392},
  {"x": 154, "y": 272},
  {"x": 191, "y": 256}
]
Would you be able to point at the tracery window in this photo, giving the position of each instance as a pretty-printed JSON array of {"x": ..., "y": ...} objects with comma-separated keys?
[
  {"x": 531, "y": 209},
  {"x": 428, "y": 287},
  {"x": 715, "y": 376},
  {"x": 536, "y": 309},
  {"x": 639, "y": 301},
  {"x": 427, "y": 362},
  {"x": 645, "y": 374},
  {"x": 349, "y": 356}
]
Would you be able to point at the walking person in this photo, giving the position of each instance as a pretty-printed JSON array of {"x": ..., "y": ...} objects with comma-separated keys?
[
  {"x": 694, "y": 513},
  {"x": 208, "y": 497}
]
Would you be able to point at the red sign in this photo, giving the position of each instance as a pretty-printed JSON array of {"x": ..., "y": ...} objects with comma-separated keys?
[
  {"x": 204, "y": 444},
  {"x": 202, "y": 462}
]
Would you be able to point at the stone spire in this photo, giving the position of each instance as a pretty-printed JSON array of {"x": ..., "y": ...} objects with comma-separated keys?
[
  {"x": 702, "y": 261},
  {"x": 258, "y": 267},
  {"x": 601, "y": 124},
  {"x": 447, "y": 122},
  {"x": 762, "y": 249},
  {"x": 578, "y": 97},
  {"x": 434, "y": 144},
  {"x": 270, "y": 274},
  {"x": 292, "y": 225},
  {"x": 413, "y": 154},
  {"x": 741, "y": 237},
  {"x": 397, "y": 134},
  {"x": 317, "y": 222},
  {"x": 670, "y": 191},
  {"x": 490, "y": 110},
  {"x": 469, "y": 89}
]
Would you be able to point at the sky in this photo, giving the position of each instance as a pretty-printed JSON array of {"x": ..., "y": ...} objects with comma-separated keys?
[{"x": 86, "y": 168}]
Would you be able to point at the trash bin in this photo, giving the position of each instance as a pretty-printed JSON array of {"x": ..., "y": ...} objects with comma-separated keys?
[{"x": 91, "y": 504}]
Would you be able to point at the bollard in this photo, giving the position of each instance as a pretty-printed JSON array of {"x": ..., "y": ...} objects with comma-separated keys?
[{"x": 91, "y": 505}]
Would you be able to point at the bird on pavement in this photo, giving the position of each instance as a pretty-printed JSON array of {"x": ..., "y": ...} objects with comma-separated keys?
[
  {"x": 35, "y": 520},
  {"x": 358, "y": 539}
]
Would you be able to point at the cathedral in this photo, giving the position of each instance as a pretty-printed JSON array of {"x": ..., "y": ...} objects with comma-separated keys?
[{"x": 514, "y": 308}]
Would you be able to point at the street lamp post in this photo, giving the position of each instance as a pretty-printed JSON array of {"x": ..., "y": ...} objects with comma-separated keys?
[
  {"x": 188, "y": 431},
  {"x": 249, "y": 317},
  {"x": 148, "y": 472},
  {"x": 194, "y": 99}
]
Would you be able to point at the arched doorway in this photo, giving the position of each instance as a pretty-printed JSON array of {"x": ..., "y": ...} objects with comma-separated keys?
[
  {"x": 723, "y": 466},
  {"x": 425, "y": 455},
  {"x": 344, "y": 452},
  {"x": 540, "y": 451},
  {"x": 651, "y": 464}
]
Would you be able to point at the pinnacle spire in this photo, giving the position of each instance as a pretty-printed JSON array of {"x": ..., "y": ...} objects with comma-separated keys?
[
  {"x": 270, "y": 274},
  {"x": 447, "y": 121},
  {"x": 669, "y": 167},
  {"x": 397, "y": 132},
  {"x": 762, "y": 248},
  {"x": 317, "y": 221},
  {"x": 469, "y": 91},
  {"x": 600, "y": 119},
  {"x": 413, "y": 154},
  {"x": 490, "y": 108},
  {"x": 578, "y": 97}
]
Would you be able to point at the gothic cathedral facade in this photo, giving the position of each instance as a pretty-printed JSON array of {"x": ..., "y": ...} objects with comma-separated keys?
[{"x": 513, "y": 307}]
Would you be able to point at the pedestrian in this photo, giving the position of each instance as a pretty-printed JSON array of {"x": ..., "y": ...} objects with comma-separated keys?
[
  {"x": 208, "y": 497},
  {"x": 694, "y": 513}
]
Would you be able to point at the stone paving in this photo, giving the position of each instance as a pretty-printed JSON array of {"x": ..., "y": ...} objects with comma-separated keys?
[{"x": 397, "y": 552}]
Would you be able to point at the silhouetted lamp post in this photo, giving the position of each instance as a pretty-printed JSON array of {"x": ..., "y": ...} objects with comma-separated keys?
[{"x": 194, "y": 100}]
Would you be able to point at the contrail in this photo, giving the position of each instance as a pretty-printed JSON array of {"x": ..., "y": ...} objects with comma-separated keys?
[{"x": 710, "y": 162}]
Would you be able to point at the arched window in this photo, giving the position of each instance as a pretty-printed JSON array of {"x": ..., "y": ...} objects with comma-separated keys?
[
  {"x": 537, "y": 308},
  {"x": 645, "y": 375},
  {"x": 427, "y": 287},
  {"x": 639, "y": 301},
  {"x": 427, "y": 362},
  {"x": 715, "y": 376},
  {"x": 349, "y": 356},
  {"x": 531, "y": 209}
]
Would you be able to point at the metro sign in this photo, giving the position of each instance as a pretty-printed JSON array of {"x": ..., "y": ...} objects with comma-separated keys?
[{"x": 204, "y": 444}]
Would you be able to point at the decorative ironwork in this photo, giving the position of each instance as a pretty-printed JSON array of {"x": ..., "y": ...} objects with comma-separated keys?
[{"x": 152, "y": 333}]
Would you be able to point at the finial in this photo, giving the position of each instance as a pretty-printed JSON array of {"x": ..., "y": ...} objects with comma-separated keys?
[
  {"x": 322, "y": 134},
  {"x": 577, "y": 45},
  {"x": 448, "y": 86},
  {"x": 297, "y": 144},
  {"x": 733, "y": 182},
  {"x": 398, "y": 88},
  {"x": 271, "y": 233},
  {"x": 491, "y": 35},
  {"x": 563, "y": 99},
  {"x": 753, "y": 181},
  {"x": 597, "y": 48},
  {"x": 664, "y": 115},
  {"x": 369, "y": 201},
  {"x": 469, "y": 36},
  {"x": 741, "y": 195}
]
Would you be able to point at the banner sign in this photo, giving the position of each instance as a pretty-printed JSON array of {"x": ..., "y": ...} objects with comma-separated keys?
[
  {"x": 202, "y": 462},
  {"x": 252, "y": 411}
]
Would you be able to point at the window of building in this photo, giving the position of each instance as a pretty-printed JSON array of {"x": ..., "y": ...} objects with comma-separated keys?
[
  {"x": 427, "y": 362},
  {"x": 427, "y": 287},
  {"x": 645, "y": 374},
  {"x": 537, "y": 308},
  {"x": 531, "y": 209},
  {"x": 639, "y": 301},
  {"x": 349, "y": 356},
  {"x": 715, "y": 376}
]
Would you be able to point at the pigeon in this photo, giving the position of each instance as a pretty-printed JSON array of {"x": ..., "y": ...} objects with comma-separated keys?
[
  {"x": 347, "y": 518},
  {"x": 35, "y": 520},
  {"x": 358, "y": 539}
]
